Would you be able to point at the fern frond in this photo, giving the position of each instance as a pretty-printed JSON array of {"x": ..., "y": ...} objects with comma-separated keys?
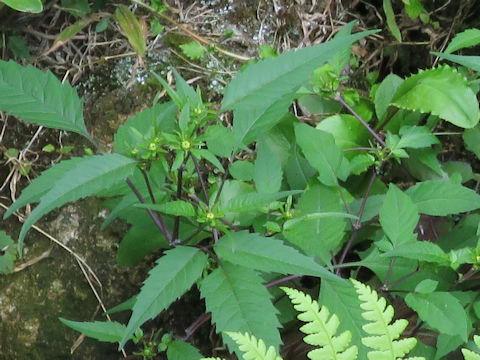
[
  {"x": 321, "y": 329},
  {"x": 384, "y": 342},
  {"x": 469, "y": 354},
  {"x": 212, "y": 358},
  {"x": 253, "y": 349}
]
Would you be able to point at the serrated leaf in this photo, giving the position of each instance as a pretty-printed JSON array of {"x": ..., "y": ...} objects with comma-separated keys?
[
  {"x": 242, "y": 170},
  {"x": 267, "y": 172},
  {"x": 258, "y": 105},
  {"x": 320, "y": 236},
  {"x": 8, "y": 253},
  {"x": 347, "y": 131},
  {"x": 39, "y": 97},
  {"x": 441, "y": 311},
  {"x": 174, "y": 274},
  {"x": 448, "y": 94},
  {"x": 108, "y": 331},
  {"x": 467, "y": 38},
  {"x": 181, "y": 350},
  {"x": 220, "y": 140},
  {"x": 42, "y": 184},
  {"x": 228, "y": 292},
  {"x": 90, "y": 175},
  {"x": 176, "y": 208},
  {"x": 471, "y": 137},
  {"x": 267, "y": 254},
  {"x": 385, "y": 93},
  {"x": 252, "y": 200},
  {"x": 416, "y": 137},
  {"x": 472, "y": 62},
  {"x": 398, "y": 216},
  {"x": 391, "y": 22},
  {"x": 414, "y": 8},
  {"x": 341, "y": 299},
  {"x": 321, "y": 152},
  {"x": 421, "y": 251},
  {"x": 132, "y": 29},
  {"x": 193, "y": 50},
  {"x": 160, "y": 117},
  {"x": 32, "y": 6},
  {"x": 441, "y": 198}
]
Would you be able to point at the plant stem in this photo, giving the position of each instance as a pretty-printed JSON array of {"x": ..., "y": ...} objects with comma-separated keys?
[
  {"x": 176, "y": 225},
  {"x": 199, "y": 38},
  {"x": 200, "y": 177},
  {"x": 149, "y": 187},
  {"x": 224, "y": 178},
  {"x": 157, "y": 219},
  {"x": 338, "y": 97}
]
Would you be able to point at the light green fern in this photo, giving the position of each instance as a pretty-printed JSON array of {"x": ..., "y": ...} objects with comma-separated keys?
[
  {"x": 252, "y": 348},
  {"x": 384, "y": 340},
  {"x": 469, "y": 354},
  {"x": 321, "y": 328}
]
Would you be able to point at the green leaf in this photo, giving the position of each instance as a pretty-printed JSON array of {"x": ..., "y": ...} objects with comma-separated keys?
[
  {"x": 472, "y": 62},
  {"x": 7, "y": 253},
  {"x": 176, "y": 208},
  {"x": 181, "y": 350},
  {"x": 228, "y": 293},
  {"x": 253, "y": 200},
  {"x": 267, "y": 254},
  {"x": 441, "y": 311},
  {"x": 258, "y": 105},
  {"x": 416, "y": 137},
  {"x": 321, "y": 152},
  {"x": 298, "y": 171},
  {"x": 470, "y": 355},
  {"x": 391, "y": 23},
  {"x": 471, "y": 137},
  {"x": 32, "y": 6},
  {"x": 173, "y": 275},
  {"x": 385, "y": 93},
  {"x": 39, "y": 97},
  {"x": 414, "y": 8},
  {"x": 108, "y": 331},
  {"x": 441, "y": 198},
  {"x": 426, "y": 286},
  {"x": 341, "y": 299},
  {"x": 320, "y": 236},
  {"x": 253, "y": 348},
  {"x": 347, "y": 131},
  {"x": 398, "y": 216},
  {"x": 18, "y": 46},
  {"x": 42, "y": 184},
  {"x": 421, "y": 251},
  {"x": 267, "y": 172},
  {"x": 69, "y": 32},
  {"x": 321, "y": 328},
  {"x": 132, "y": 29},
  {"x": 448, "y": 94},
  {"x": 467, "y": 38},
  {"x": 126, "y": 305},
  {"x": 220, "y": 140},
  {"x": 160, "y": 117},
  {"x": 242, "y": 170},
  {"x": 193, "y": 50},
  {"x": 90, "y": 175}
]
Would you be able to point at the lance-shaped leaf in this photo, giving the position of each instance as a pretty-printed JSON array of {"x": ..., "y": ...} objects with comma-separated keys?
[
  {"x": 90, "y": 175},
  {"x": 70, "y": 31},
  {"x": 441, "y": 198},
  {"x": 32, "y": 6},
  {"x": 108, "y": 331},
  {"x": 39, "y": 97},
  {"x": 239, "y": 302},
  {"x": 421, "y": 251},
  {"x": 442, "y": 311},
  {"x": 398, "y": 216},
  {"x": 253, "y": 200},
  {"x": 258, "y": 105},
  {"x": 448, "y": 94},
  {"x": 173, "y": 275},
  {"x": 321, "y": 152},
  {"x": 470, "y": 61},
  {"x": 267, "y": 254},
  {"x": 467, "y": 38},
  {"x": 42, "y": 184},
  {"x": 132, "y": 29},
  {"x": 176, "y": 208}
]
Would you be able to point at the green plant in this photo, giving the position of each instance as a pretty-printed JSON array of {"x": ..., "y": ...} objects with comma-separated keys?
[{"x": 239, "y": 209}]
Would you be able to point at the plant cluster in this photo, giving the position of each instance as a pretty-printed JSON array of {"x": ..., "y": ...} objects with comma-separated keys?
[{"x": 240, "y": 208}]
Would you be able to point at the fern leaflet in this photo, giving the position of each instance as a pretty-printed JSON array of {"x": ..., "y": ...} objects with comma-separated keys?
[
  {"x": 321, "y": 329},
  {"x": 384, "y": 342},
  {"x": 469, "y": 354},
  {"x": 253, "y": 349}
]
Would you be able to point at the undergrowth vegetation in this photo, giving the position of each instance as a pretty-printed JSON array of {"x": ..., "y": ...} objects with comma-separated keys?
[{"x": 240, "y": 207}]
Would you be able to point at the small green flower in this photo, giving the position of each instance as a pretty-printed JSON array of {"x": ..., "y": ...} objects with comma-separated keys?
[{"x": 186, "y": 145}]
